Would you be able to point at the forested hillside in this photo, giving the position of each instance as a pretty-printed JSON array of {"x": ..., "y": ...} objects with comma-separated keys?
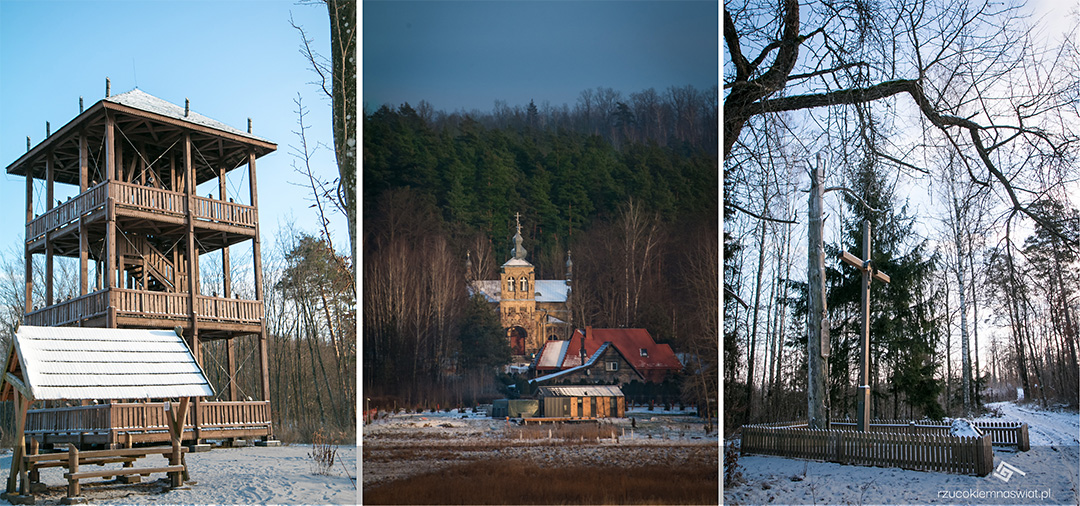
[{"x": 629, "y": 186}]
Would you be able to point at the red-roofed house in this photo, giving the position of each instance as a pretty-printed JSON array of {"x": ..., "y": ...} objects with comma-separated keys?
[{"x": 652, "y": 360}]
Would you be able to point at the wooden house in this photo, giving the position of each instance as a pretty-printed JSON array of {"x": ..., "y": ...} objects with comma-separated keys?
[
  {"x": 653, "y": 361},
  {"x": 606, "y": 366},
  {"x": 592, "y": 401},
  {"x": 137, "y": 230}
]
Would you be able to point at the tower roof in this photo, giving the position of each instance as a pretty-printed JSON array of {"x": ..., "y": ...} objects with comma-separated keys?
[{"x": 146, "y": 120}]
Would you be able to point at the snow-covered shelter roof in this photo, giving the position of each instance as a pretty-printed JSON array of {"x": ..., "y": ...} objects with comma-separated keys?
[
  {"x": 51, "y": 363},
  {"x": 582, "y": 391}
]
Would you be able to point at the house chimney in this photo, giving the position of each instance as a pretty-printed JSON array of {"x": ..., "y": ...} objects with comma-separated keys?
[
  {"x": 249, "y": 125},
  {"x": 187, "y": 107},
  {"x": 28, "y": 143},
  {"x": 48, "y": 129},
  {"x": 583, "y": 359},
  {"x": 108, "y": 87},
  {"x": 80, "y": 105}
]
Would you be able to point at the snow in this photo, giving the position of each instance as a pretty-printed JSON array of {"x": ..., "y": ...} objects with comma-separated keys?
[
  {"x": 964, "y": 428},
  {"x": 1051, "y": 467},
  {"x": 1045, "y": 427},
  {"x": 253, "y": 475}
]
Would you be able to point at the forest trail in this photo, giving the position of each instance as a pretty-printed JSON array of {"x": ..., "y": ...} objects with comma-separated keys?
[{"x": 1045, "y": 428}]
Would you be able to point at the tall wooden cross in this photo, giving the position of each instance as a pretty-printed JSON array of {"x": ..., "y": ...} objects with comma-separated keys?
[{"x": 868, "y": 273}]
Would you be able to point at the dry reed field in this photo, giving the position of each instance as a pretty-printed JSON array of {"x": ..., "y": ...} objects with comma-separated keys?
[{"x": 526, "y": 482}]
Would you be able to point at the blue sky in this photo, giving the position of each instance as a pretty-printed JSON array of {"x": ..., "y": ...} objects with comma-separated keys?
[
  {"x": 232, "y": 59},
  {"x": 465, "y": 55}
]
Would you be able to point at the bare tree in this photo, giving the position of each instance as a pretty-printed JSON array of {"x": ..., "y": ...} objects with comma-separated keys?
[{"x": 974, "y": 75}]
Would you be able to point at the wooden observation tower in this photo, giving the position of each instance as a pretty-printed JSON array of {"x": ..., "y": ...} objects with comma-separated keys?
[{"x": 137, "y": 228}]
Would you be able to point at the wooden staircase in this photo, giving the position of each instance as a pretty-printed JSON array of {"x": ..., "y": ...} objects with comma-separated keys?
[{"x": 138, "y": 254}]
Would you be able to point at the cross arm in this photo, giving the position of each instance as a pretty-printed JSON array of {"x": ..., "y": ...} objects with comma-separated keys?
[
  {"x": 881, "y": 276},
  {"x": 852, "y": 260}
]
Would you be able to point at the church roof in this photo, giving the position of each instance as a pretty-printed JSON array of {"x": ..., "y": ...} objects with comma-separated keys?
[{"x": 517, "y": 262}]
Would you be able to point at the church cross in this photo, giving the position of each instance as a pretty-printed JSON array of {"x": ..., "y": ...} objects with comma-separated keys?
[
  {"x": 517, "y": 217},
  {"x": 869, "y": 273}
]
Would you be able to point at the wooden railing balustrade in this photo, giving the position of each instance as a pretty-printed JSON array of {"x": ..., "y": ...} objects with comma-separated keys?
[
  {"x": 110, "y": 423},
  {"x": 67, "y": 212},
  {"x": 147, "y": 303},
  {"x": 219, "y": 308},
  {"x": 69, "y": 311},
  {"x": 144, "y": 198},
  {"x": 144, "y": 303},
  {"x": 229, "y": 213}
]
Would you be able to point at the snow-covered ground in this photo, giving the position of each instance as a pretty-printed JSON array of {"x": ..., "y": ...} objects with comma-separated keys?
[
  {"x": 255, "y": 475},
  {"x": 1051, "y": 467}
]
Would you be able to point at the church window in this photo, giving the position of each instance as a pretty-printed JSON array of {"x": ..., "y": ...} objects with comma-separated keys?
[
  {"x": 524, "y": 284},
  {"x": 510, "y": 284}
]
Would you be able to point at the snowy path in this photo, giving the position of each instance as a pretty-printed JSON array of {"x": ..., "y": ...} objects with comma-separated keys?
[
  {"x": 1052, "y": 476},
  {"x": 255, "y": 475},
  {"x": 1046, "y": 428}
]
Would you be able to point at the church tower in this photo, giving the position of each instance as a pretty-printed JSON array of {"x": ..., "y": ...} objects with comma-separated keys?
[{"x": 518, "y": 306}]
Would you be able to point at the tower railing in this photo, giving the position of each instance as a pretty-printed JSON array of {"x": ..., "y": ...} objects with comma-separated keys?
[{"x": 140, "y": 198}]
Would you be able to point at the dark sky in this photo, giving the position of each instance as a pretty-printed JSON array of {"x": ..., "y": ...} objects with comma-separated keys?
[{"x": 465, "y": 55}]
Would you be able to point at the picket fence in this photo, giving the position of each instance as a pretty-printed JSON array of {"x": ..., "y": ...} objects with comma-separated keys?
[
  {"x": 926, "y": 452},
  {"x": 1001, "y": 433}
]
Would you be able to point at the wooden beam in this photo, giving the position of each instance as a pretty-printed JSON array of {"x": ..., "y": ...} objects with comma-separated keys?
[
  {"x": 852, "y": 260},
  {"x": 881, "y": 276},
  {"x": 21, "y": 387}
]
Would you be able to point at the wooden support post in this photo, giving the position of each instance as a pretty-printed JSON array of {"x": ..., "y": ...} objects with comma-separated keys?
[
  {"x": 110, "y": 259},
  {"x": 230, "y": 355},
  {"x": 28, "y": 257},
  {"x": 110, "y": 147},
  {"x": 50, "y": 177},
  {"x": 73, "y": 468},
  {"x": 226, "y": 265},
  {"x": 20, "y": 442},
  {"x": 264, "y": 362},
  {"x": 84, "y": 242},
  {"x": 176, "y": 420}
]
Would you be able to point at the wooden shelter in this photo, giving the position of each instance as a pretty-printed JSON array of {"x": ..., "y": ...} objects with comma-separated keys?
[
  {"x": 585, "y": 401},
  {"x": 137, "y": 229},
  {"x": 69, "y": 363}
]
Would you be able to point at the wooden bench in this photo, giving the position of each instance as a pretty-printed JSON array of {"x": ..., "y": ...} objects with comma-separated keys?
[{"x": 72, "y": 459}]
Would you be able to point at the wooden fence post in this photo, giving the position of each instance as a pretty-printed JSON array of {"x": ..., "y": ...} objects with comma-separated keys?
[
  {"x": 1022, "y": 441},
  {"x": 73, "y": 467}
]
